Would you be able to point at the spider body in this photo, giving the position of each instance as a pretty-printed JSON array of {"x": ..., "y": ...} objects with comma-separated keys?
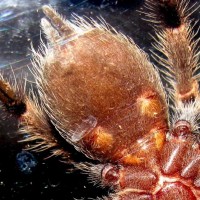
[{"x": 103, "y": 96}]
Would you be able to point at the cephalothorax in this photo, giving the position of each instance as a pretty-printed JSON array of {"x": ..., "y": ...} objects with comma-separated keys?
[{"x": 101, "y": 93}]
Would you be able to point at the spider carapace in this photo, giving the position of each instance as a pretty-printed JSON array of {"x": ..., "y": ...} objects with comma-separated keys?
[{"x": 99, "y": 91}]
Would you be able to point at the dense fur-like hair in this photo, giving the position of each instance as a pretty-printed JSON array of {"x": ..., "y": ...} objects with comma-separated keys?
[{"x": 100, "y": 92}]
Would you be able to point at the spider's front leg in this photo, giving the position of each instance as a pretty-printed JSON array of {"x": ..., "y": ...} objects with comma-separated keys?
[
  {"x": 176, "y": 40},
  {"x": 180, "y": 58}
]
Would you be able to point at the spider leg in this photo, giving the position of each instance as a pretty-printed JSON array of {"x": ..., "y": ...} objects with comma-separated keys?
[
  {"x": 180, "y": 58},
  {"x": 12, "y": 100},
  {"x": 33, "y": 121},
  {"x": 62, "y": 27},
  {"x": 178, "y": 45}
]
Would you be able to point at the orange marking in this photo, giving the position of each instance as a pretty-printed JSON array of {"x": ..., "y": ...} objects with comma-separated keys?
[
  {"x": 149, "y": 104},
  {"x": 159, "y": 137},
  {"x": 190, "y": 94},
  {"x": 102, "y": 139},
  {"x": 179, "y": 29},
  {"x": 132, "y": 159}
]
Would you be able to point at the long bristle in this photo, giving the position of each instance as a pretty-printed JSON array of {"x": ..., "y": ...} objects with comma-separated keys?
[
  {"x": 12, "y": 97},
  {"x": 170, "y": 14},
  {"x": 176, "y": 41},
  {"x": 62, "y": 26},
  {"x": 35, "y": 123}
]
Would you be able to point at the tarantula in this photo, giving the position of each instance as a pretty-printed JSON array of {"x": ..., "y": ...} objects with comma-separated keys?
[{"x": 99, "y": 91}]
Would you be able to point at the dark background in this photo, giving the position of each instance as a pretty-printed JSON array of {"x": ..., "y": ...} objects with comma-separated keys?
[{"x": 19, "y": 26}]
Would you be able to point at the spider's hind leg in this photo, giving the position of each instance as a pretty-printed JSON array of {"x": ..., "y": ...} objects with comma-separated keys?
[{"x": 33, "y": 121}]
